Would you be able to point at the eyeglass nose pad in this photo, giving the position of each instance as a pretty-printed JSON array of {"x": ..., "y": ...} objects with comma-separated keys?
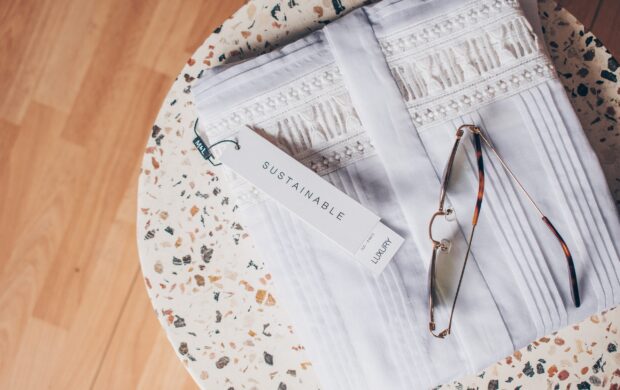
[
  {"x": 445, "y": 245},
  {"x": 450, "y": 214}
]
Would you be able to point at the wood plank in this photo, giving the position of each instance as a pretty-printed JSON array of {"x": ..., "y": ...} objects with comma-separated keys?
[
  {"x": 41, "y": 341},
  {"x": 138, "y": 347},
  {"x": 73, "y": 50},
  {"x": 26, "y": 28},
  {"x": 606, "y": 25},
  {"x": 81, "y": 85},
  {"x": 40, "y": 184},
  {"x": 102, "y": 302},
  {"x": 113, "y": 151},
  {"x": 584, "y": 11},
  {"x": 132, "y": 343},
  {"x": 164, "y": 370},
  {"x": 209, "y": 16},
  {"x": 163, "y": 48}
]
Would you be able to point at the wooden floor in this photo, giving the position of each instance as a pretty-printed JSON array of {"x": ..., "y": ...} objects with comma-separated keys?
[{"x": 80, "y": 84}]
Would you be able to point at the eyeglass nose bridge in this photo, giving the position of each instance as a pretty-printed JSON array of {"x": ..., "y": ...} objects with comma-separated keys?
[
  {"x": 472, "y": 128},
  {"x": 436, "y": 244}
]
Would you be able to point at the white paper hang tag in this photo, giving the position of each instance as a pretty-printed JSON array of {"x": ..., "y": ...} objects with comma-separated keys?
[{"x": 340, "y": 218}]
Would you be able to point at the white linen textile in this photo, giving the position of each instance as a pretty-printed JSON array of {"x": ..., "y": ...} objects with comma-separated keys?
[{"x": 372, "y": 102}]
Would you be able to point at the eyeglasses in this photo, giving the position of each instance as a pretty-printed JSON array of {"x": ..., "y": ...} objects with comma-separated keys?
[{"x": 443, "y": 246}]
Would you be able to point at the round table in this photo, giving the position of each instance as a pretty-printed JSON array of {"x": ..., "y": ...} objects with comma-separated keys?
[{"x": 215, "y": 298}]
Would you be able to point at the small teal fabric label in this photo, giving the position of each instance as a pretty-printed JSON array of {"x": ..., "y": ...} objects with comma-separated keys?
[{"x": 200, "y": 144}]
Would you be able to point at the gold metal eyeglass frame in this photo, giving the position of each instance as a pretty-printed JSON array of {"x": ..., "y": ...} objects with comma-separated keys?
[{"x": 442, "y": 246}]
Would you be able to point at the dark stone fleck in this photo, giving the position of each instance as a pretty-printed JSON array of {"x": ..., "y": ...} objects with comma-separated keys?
[
  {"x": 594, "y": 380},
  {"x": 589, "y": 40},
  {"x": 282, "y": 386},
  {"x": 222, "y": 362},
  {"x": 599, "y": 366},
  {"x": 583, "y": 386},
  {"x": 176, "y": 261},
  {"x": 609, "y": 76},
  {"x": 612, "y": 64},
  {"x": 206, "y": 253},
  {"x": 612, "y": 347},
  {"x": 528, "y": 370},
  {"x": 183, "y": 348},
  {"x": 553, "y": 44},
  {"x": 216, "y": 296},
  {"x": 268, "y": 358},
  {"x": 582, "y": 90},
  {"x": 540, "y": 369},
  {"x": 155, "y": 132},
  {"x": 265, "y": 326},
  {"x": 187, "y": 259},
  {"x": 291, "y": 372},
  {"x": 217, "y": 30},
  {"x": 201, "y": 195},
  {"x": 179, "y": 322},
  {"x": 338, "y": 7},
  {"x": 218, "y": 316},
  {"x": 589, "y": 55},
  {"x": 274, "y": 11},
  {"x": 169, "y": 230},
  {"x": 150, "y": 234},
  {"x": 583, "y": 72},
  {"x": 493, "y": 384}
]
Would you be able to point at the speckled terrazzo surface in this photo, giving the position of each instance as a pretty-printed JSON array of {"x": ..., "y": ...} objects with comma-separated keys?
[{"x": 216, "y": 299}]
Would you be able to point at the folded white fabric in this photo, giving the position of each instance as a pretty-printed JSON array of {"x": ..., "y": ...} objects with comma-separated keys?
[{"x": 372, "y": 103}]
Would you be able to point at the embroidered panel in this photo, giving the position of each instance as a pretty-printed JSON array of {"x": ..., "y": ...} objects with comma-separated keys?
[
  {"x": 454, "y": 64},
  {"x": 311, "y": 118}
]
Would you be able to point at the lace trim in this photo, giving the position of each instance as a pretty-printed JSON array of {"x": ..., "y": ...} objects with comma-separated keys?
[
  {"x": 495, "y": 88},
  {"x": 312, "y": 119},
  {"x": 469, "y": 61},
  {"x": 424, "y": 34},
  {"x": 313, "y": 86}
]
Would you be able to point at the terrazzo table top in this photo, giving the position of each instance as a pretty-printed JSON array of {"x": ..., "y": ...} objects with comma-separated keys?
[{"x": 216, "y": 299}]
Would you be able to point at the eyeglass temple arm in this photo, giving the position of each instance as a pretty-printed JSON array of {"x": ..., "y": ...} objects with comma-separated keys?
[
  {"x": 474, "y": 222},
  {"x": 480, "y": 163},
  {"x": 448, "y": 170},
  {"x": 572, "y": 274}
]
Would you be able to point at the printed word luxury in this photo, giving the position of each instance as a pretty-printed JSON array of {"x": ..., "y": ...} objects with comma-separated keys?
[{"x": 301, "y": 189}]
